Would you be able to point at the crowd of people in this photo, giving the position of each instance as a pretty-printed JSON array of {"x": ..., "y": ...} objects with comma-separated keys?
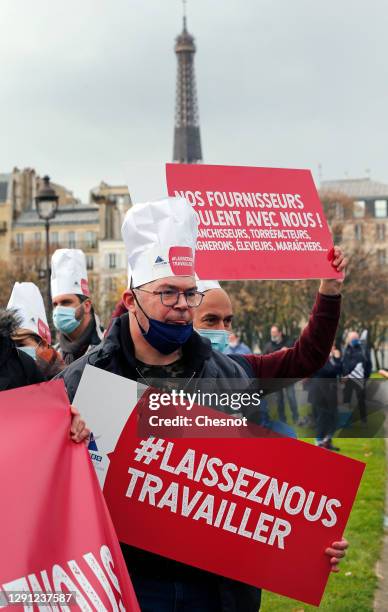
[{"x": 170, "y": 325}]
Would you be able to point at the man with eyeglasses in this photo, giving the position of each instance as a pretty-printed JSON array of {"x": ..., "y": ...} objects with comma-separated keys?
[{"x": 155, "y": 339}]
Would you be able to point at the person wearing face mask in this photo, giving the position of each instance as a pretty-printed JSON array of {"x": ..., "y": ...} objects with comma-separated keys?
[
  {"x": 155, "y": 338},
  {"x": 213, "y": 318},
  {"x": 78, "y": 326},
  {"x": 236, "y": 346},
  {"x": 357, "y": 367},
  {"x": 17, "y": 368},
  {"x": 33, "y": 334}
]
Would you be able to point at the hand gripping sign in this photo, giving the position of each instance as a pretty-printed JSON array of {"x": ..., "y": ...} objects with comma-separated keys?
[
  {"x": 255, "y": 223},
  {"x": 58, "y": 547},
  {"x": 257, "y": 510}
]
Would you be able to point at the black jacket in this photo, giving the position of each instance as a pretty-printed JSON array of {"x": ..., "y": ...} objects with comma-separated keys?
[
  {"x": 201, "y": 362},
  {"x": 331, "y": 369},
  {"x": 17, "y": 369},
  {"x": 322, "y": 386},
  {"x": 354, "y": 355}
]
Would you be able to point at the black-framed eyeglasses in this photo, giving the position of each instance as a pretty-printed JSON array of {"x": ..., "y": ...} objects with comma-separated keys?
[{"x": 170, "y": 297}]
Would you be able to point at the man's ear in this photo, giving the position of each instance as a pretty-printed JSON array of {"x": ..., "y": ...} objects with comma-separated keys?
[
  {"x": 129, "y": 300},
  {"x": 87, "y": 304}
]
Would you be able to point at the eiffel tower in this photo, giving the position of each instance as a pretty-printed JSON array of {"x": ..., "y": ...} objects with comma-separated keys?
[{"x": 187, "y": 139}]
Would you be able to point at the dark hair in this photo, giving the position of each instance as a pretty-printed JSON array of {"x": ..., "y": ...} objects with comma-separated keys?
[{"x": 82, "y": 298}]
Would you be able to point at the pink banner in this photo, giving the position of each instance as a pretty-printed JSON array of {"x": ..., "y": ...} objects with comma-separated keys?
[{"x": 56, "y": 535}]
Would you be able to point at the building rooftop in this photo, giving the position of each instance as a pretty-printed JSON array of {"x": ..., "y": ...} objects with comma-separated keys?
[
  {"x": 357, "y": 188},
  {"x": 82, "y": 213}
]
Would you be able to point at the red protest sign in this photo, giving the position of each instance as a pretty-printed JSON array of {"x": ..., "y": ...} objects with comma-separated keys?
[
  {"x": 255, "y": 223},
  {"x": 55, "y": 530},
  {"x": 258, "y": 510}
]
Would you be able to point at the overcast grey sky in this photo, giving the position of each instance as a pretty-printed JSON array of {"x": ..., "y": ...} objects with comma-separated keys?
[{"x": 88, "y": 87}]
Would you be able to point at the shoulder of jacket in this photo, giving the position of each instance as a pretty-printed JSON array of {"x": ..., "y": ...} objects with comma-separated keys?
[
  {"x": 244, "y": 363},
  {"x": 76, "y": 367},
  {"x": 228, "y": 364}
]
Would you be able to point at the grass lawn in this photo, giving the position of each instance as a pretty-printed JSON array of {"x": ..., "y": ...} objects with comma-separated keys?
[{"x": 352, "y": 590}]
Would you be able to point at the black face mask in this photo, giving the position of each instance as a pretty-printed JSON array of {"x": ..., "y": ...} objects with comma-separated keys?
[{"x": 164, "y": 337}]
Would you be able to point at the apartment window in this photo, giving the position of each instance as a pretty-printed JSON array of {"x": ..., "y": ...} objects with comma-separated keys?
[
  {"x": 54, "y": 238},
  {"x": 91, "y": 240},
  {"x": 339, "y": 211},
  {"x": 19, "y": 238},
  {"x": 358, "y": 231},
  {"x": 71, "y": 240},
  {"x": 112, "y": 263},
  {"x": 89, "y": 262},
  {"x": 380, "y": 231},
  {"x": 381, "y": 257},
  {"x": 381, "y": 209},
  {"x": 359, "y": 209}
]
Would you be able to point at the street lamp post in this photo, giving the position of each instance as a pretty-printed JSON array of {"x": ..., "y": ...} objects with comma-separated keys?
[{"x": 47, "y": 206}]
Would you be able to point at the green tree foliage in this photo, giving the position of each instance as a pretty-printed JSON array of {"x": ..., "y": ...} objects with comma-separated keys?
[{"x": 259, "y": 304}]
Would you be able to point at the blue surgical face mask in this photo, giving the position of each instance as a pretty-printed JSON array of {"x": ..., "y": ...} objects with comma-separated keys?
[
  {"x": 30, "y": 350},
  {"x": 355, "y": 342},
  {"x": 64, "y": 319},
  {"x": 219, "y": 338},
  {"x": 165, "y": 337}
]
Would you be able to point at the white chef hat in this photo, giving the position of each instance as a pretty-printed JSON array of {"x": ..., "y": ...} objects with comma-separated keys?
[
  {"x": 160, "y": 239},
  {"x": 27, "y": 300},
  {"x": 68, "y": 273},
  {"x": 206, "y": 285}
]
